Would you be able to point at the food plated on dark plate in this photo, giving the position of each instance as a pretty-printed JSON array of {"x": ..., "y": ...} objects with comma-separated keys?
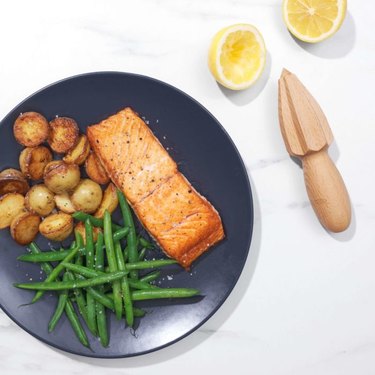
[{"x": 112, "y": 232}]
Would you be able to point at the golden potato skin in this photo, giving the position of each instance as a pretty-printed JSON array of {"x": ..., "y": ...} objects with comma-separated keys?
[
  {"x": 56, "y": 227},
  {"x": 13, "y": 181},
  {"x": 25, "y": 227},
  {"x": 40, "y": 200},
  {"x": 78, "y": 154},
  {"x": 95, "y": 169},
  {"x": 23, "y": 162},
  {"x": 109, "y": 202},
  {"x": 31, "y": 129},
  {"x": 64, "y": 203},
  {"x": 87, "y": 196},
  {"x": 33, "y": 160},
  {"x": 11, "y": 205},
  {"x": 61, "y": 177},
  {"x": 63, "y": 134}
]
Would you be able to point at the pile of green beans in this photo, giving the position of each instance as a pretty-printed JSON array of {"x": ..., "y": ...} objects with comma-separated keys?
[{"x": 100, "y": 275}]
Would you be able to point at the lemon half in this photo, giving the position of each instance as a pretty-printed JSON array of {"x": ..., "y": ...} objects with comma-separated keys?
[
  {"x": 237, "y": 56},
  {"x": 313, "y": 20}
]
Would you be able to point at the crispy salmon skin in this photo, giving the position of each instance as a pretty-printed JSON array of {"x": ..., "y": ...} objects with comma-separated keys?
[{"x": 182, "y": 221}]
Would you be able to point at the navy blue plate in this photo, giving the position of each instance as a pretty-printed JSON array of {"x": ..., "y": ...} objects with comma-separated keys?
[{"x": 206, "y": 156}]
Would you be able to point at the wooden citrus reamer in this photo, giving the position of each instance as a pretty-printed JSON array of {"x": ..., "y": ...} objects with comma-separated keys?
[{"x": 307, "y": 136}]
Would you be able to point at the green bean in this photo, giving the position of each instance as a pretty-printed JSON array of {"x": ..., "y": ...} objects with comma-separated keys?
[
  {"x": 99, "y": 253},
  {"x": 138, "y": 313},
  {"x": 69, "y": 310},
  {"x": 47, "y": 256},
  {"x": 76, "y": 325},
  {"x": 142, "y": 254},
  {"x": 61, "y": 285},
  {"x": 80, "y": 299},
  {"x": 56, "y": 271},
  {"x": 95, "y": 221},
  {"x": 144, "y": 243},
  {"x": 146, "y": 264},
  {"x": 107, "y": 301},
  {"x": 79, "y": 296},
  {"x": 102, "y": 298},
  {"x": 146, "y": 294},
  {"x": 128, "y": 304},
  {"x": 137, "y": 284},
  {"x": 90, "y": 262},
  {"x": 89, "y": 273},
  {"x": 111, "y": 257},
  {"x": 159, "y": 293},
  {"x": 63, "y": 298},
  {"x": 150, "y": 264},
  {"x": 152, "y": 276},
  {"x": 84, "y": 271},
  {"x": 35, "y": 250},
  {"x": 120, "y": 234},
  {"x": 55, "y": 256},
  {"x": 132, "y": 236},
  {"x": 101, "y": 317}
]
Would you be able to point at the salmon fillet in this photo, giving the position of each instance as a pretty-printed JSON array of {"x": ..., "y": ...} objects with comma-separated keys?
[{"x": 182, "y": 221}]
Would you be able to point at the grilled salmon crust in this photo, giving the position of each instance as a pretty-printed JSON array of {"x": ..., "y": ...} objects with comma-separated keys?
[{"x": 182, "y": 221}]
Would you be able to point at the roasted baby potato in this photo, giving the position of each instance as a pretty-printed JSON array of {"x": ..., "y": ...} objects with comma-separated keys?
[
  {"x": 87, "y": 196},
  {"x": 95, "y": 169},
  {"x": 78, "y": 154},
  {"x": 109, "y": 201},
  {"x": 63, "y": 134},
  {"x": 80, "y": 228},
  {"x": 13, "y": 181},
  {"x": 10, "y": 206},
  {"x": 61, "y": 177},
  {"x": 39, "y": 199},
  {"x": 31, "y": 129},
  {"x": 64, "y": 203},
  {"x": 56, "y": 227},
  {"x": 24, "y": 227},
  {"x": 33, "y": 160}
]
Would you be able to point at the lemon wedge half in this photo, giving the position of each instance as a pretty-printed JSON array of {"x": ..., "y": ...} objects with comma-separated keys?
[
  {"x": 313, "y": 20},
  {"x": 237, "y": 56}
]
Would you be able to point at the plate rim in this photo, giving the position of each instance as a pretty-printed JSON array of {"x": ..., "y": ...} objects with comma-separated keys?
[{"x": 251, "y": 207}]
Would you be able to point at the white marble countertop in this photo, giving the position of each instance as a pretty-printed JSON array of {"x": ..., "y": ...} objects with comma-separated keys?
[{"x": 305, "y": 303}]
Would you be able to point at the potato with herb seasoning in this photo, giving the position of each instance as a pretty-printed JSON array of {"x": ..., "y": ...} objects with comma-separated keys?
[
  {"x": 39, "y": 199},
  {"x": 109, "y": 202},
  {"x": 61, "y": 177},
  {"x": 13, "y": 181},
  {"x": 64, "y": 203},
  {"x": 95, "y": 169},
  {"x": 10, "y": 206},
  {"x": 78, "y": 154},
  {"x": 31, "y": 129},
  {"x": 24, "y": 227},
  {"x": 87, "y": 196},
  {"x": 63, "y": 134},
  {"x": 33, "y": 160},
  {"x": 56, "y": 227}
]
